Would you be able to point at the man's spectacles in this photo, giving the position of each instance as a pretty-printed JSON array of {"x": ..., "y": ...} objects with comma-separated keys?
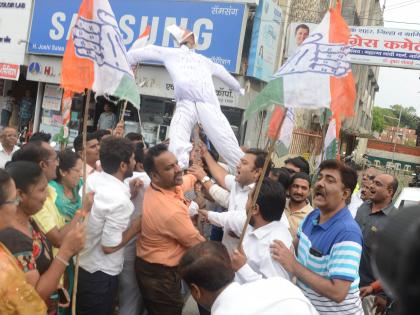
[
  {"x": 14, "y": 202},
  {"x": 52, "y": 160}
]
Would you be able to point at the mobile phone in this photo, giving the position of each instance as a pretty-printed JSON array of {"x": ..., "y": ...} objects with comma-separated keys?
[{"x": 315, "y": 252}]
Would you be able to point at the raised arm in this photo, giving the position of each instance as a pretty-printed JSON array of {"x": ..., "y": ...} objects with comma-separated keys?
[
  {"x": 150, "y": 53},
  {"x": 218, "y": 172},
  {"x": 221, "y": 73}
]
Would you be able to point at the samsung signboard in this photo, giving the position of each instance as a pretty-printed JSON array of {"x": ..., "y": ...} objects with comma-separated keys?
[{"x": 218, "y": 26}]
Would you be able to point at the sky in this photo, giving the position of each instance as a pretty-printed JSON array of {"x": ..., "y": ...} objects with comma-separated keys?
[{"x": 400, "y": 86}]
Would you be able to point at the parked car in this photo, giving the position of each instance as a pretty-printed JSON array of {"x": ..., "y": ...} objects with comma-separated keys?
[
  {"x": 415, "y": 182},
  {"x": 409, "y": 196}
]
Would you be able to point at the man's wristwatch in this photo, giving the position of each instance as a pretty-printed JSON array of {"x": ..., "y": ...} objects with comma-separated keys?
[{"x": 205, "y": 179}]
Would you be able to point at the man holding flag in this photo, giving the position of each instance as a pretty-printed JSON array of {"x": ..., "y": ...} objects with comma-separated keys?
[{"x": 95, "y": 61}]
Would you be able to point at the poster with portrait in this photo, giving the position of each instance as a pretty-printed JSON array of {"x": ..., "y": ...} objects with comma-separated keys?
[{"x": 298, "y": 32}]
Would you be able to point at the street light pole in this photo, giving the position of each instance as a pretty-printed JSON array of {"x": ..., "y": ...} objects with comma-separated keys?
[{"x": 398, "y": 127}]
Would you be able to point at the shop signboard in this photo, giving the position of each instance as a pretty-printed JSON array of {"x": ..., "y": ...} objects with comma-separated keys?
[
  {"x": 14, "y": 24},
  {"x": 44, "y": 69},
  {"x": 219, "y": 27},
  {"x": 155, "y": 81},
  {"x": 9, "y": 71},
  {"x": 373, "y": 45},
  {"x": 387, "y": 47},
  {"x": 262, "y": 61}
]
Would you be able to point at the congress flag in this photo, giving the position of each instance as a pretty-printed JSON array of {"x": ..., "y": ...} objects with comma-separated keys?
[
  {"x": 284, "y": 138},
  {"x": 330, "y": 142},
  {"x": 318, "y": 75},
  {"x": 95, "y": 57}
]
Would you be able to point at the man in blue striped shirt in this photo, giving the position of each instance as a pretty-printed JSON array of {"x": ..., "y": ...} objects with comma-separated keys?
[{"x": 329, "y": 245}]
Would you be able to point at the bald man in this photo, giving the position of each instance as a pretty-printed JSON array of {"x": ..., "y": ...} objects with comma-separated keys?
[
  {"x": 372, "y": 217},
  {"x": 8, "y": 141}
]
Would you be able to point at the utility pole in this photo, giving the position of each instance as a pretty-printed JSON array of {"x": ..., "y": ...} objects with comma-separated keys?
[{"x": 398, "y": 127}]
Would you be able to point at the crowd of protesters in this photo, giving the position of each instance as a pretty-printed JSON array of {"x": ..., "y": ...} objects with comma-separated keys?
[{"x": 150, "y": 234}]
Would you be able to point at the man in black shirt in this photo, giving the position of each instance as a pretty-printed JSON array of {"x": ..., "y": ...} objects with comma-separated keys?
[{"x": 372, "y": 216}]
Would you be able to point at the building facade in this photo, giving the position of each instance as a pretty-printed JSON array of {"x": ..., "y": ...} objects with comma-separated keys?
[
  {"x": 399, "y": 135},
  {"x": 363, "y": 13},
  {"x": 357, "y": 128}
]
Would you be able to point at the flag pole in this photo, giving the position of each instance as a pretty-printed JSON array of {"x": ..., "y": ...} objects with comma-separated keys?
[
  {"x": 76, "y": 267},
  {"x": 324, "y": 132},
  {"x": 260, "y": 180},
  {"x": 123, "y": 111}
]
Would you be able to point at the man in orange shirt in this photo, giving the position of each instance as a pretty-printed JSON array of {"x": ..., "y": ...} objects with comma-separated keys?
[{"x": 166, "y": 233}]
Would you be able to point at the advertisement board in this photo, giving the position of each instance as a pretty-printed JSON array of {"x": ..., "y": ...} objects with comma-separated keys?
[
  {"x": 9, "y": 71},
  {"x": 385, "y": 47},
  {"x": 373, "y": 45},
  {"x": 14, "y": 24},
  {"x": 44, "y": 69},
  {"x": 218, "y": 27},
  {"x": 265, "y": 39}
]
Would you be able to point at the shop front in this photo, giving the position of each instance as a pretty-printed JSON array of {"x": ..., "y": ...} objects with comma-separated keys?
[
  {"x": 14, "y": 89},
  {"x": 46, "y": 71}
]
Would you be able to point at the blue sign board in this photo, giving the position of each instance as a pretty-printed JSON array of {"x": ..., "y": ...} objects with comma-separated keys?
[
  {"x": 218, "y": 27},
  {"x": 265, "y": 40}
]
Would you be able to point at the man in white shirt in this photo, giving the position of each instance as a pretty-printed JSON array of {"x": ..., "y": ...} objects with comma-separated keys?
[
  {"x": 254, "y": 262},
  {"x": 207, "y": 270},
  {"x": 8, "y": 141},
  {"x": 196, "y": 100},
  {"x": 129, "y": 295},
  {"x": 247, "y": 173},
  {"x": 108, "y": 228}
]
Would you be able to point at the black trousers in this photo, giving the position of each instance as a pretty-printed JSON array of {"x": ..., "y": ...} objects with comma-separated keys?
[
  {"x": 160, "y": 287},
  {"x": 95, "y": 293}
]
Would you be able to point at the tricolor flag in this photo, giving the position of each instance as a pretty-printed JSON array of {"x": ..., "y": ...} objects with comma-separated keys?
[
  {"x": 142, "y": 40},
  {"x": 318, "y": 75},
  {"x": 284, "y": 138},
  {"x": 330, "y": 142},
  {"x": 66, "y": 111},
  {"x": 95, "y": 57}
]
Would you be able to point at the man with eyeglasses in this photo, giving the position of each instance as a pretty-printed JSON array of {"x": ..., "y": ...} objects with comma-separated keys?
[
  {"x": 360, "y": 196},
  {"x": 8, "y": 141}
]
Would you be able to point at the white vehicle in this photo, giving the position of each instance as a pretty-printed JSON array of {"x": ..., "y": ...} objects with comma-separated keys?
[{"x": 409, "y": 196}]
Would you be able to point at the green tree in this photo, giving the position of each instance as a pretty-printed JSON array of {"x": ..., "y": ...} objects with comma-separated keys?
[
  {"x": 378, "y": 121},
  {"x": 384, "y": 117},
  {"x": 409, "y": 118}
]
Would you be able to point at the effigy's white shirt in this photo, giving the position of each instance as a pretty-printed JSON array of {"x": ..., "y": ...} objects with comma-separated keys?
[{"x": 191, "y": 73}]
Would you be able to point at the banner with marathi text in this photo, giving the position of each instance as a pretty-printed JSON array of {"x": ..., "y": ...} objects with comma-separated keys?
[{"x": 370, "y": 45}]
